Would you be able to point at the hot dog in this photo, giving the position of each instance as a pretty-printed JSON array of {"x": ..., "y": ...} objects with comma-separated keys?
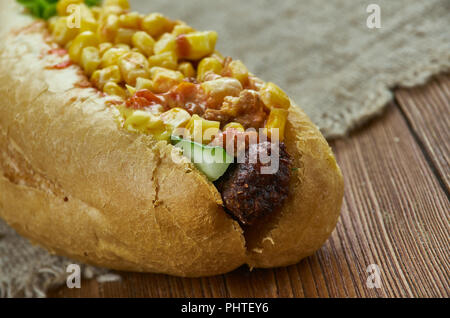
[{"x": 100, "y": 127}]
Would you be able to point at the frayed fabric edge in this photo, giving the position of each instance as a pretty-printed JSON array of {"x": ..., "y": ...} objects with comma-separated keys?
[{"x": 38, "y": 283}]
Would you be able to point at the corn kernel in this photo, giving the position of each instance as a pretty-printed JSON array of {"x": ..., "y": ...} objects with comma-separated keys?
[
  {"x": 62, "y": 34},
  {"x": 146, "y": 122},
  {"x": 68, "y": 44},
  {"x": 124, "y": 4},
  {"x": 239, "y": 71},
  {"x": 122, "y": 46},
  {"x": 96, "y": 12},
  {"x": 108, "y": 74},
  {"x": 130, "y": 89},
  {"x": 156, "y": 110},
  {"x": 82, "y": 40},
  {"x": 112, "y": 74},
  {"x": 86, "y": 12},
  {"x": 103, "y": 47},
  {"x": 167, "y": 60},
  {"x": 208, "y": 64},
  {"x": 106, "y": 11},
  {"x": 165, "y": 44},
  {"x": 155, "y": 123},
  {"x": 202, "y": 130},
  {"x": 112, "y": 88},
  {"x": 143, "y": 83},
  {"x": 108, "y": 27},
  {"x": 88, "y": 25},
  {"x": 273, "y": 97},
  {"x": 144, "y": 42},
  {"x": 52, "y": 22},
  {"x": 90, "y": 59},
  {"x": 161, "y": 134},
  {"x": 187, "y": 69},
  {"x": 61, "y": 6},
  {"x": 130, "y": 20},
  {"x": 182, "y": 29},
  {"x": 112, "y": 55},
  {"x": 156, "y": 24},
  {"x": 277, "y": 120},
  {"x": 201, "y": 44},
  {"x": 125, "y": 112},
  {"x": 217, "y": 55},
  {"x": 138, "y": 119},
  {"x": 176, "y": 117},
  {"x": 234, "y": 125},
  {"x": 133, "y": 65},
  {"x": 124, "y": 36},
  {"x": 164, "y": 79}
]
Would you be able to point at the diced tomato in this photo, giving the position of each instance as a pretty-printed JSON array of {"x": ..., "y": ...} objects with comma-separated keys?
[
  {"x": 183, "y": 46},
  {"x": 61, "y": 65},
  {"x": 151, "y": 97},
  {"x": 137, "y": 102},
  {"x": 84, "y": 83},
  {"x": 114, "y": 102},
  {"x": 57, "y": 51},
  {"x": 185, "y": 95},
  {"x": 187, "y": 89},
  {"x": 144, "y": 98}
]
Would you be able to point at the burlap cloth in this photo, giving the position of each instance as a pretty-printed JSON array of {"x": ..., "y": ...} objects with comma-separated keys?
[{"x": 321, "y": 52}]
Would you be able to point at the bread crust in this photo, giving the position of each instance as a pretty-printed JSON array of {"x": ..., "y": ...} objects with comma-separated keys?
[{"x": 74, "y": 183}]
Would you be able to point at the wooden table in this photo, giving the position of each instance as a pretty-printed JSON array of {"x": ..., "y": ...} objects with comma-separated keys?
[{"x": 395, "y": 215}]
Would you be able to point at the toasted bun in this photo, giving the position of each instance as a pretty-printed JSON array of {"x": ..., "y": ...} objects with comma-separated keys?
[{"x": 75, "y": 183}]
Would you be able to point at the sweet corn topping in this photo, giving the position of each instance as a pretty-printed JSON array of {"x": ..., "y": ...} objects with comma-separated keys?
[
  {"x": 202, "y": 130},
  {"x": 143, "y": 83},
  {"x": 166, "y": 60},
  {"x": 120, "y": 3},
  {"x": 143, "y": 42},
  {"x": 176, "y": 117},
  {"x": 112, "y": 88},
  {"x": 167, "y": 74},
  {"x": 274, "y": 97},
  {"x": 208, "y": 64},
  {"x": 239, "y": 71},
  {"x": 90, "y": 59},
  {"x": 111, "y": 56},
  {"x": 155, "y": 24},
  {"x": 82, "y": 40},
  {"x": 164, "y": 79},
  {"x": 133, "y": 65},
  {"x": 233, "y": 125},
  {"x": 277, "y": 119}
]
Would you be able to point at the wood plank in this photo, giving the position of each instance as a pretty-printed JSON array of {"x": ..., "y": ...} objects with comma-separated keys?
[
  {"x": 395, "y": 215},
  {"x": 427, "y": 110},
  {"x": 397, "y": 212}
]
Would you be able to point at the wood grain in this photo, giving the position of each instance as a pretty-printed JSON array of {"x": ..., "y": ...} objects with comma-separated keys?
[
  {"x": 420, "y": 107},
  {"x": 395, "y": 214}
]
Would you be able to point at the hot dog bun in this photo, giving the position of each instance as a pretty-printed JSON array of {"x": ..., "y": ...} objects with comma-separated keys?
[{"x": 75, "y": 183}]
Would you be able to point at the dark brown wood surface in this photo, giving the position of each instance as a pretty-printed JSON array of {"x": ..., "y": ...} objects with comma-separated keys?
[{"x": 395, "y": 215}]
